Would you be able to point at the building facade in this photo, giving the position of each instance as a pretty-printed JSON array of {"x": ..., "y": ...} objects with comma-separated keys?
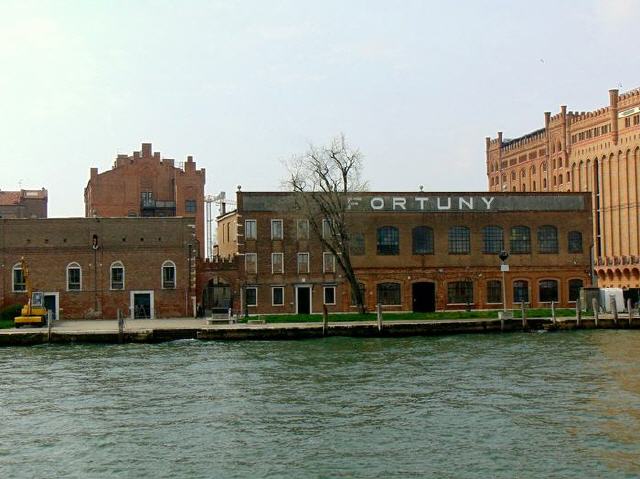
[
  {"x": 93, "y": 267},
  {"x": 144, "y": 184},
  {"x": 411, "y": 252},
  {"x": 597, "y": 152},
  {"x": 23, "y": 204}
]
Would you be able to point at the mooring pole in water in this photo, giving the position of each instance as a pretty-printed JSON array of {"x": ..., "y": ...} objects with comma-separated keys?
[
  {"x": 553, "y": 312},
  {"x": 629, "y": 310},
  {"x": 524, "y": 315},
  {"x": 49, "y": 324},
  {"x": 578, "y": 312},
  {"x": 120, "y": 327},
  {"x": 325, "y": 320},
  {"x": 614, "y": 308},
  {"x": 594, "y": 304},
  {"x": 379, "y": 316}
]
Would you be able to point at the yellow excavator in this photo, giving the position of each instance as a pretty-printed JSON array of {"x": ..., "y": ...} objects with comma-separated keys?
[{"x": 33, "y": 313}]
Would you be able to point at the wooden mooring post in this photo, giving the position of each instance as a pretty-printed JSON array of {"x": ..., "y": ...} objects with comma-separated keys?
[
  {"x": 578, "y": 312},
  {"x": 553, "y": 312},
  {"x": 596, "y": 308},
  {"x": 325, "y": 320},
  {"x": 49, "y": 324},
  {"x": 629, "y": 310},
  {"x": 614, "y": 308},
  {"x": 120, "y": 327},
  {"x": 379, "y": 316},
  {"x": 524, "y": 315}
]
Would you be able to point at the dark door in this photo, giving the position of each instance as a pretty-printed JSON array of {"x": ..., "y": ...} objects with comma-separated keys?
[
  {"x": 424, "y": 297},
  {"x": 50, "y": 304},
  {"x": 304, "y": 300},
  {"x": 216, "y": 298},
  {"x": 141, "y": 306}
]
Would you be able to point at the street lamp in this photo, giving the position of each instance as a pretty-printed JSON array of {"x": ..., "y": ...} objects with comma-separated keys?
[{"x": 504, "y": 268}]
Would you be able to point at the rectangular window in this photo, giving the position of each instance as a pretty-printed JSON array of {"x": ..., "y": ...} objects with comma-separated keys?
[
  {"x": 460, "y": 292},
  {"x": 494, "y": 291},
  {"x": 19, "y": 283},
  {"x": 276, "y": 229},
  {"x": 459, "y": 240},
  {"x": 251, "y": 263},
  {"x": 277, "y": 263},
  {"x": 168, "y": 276},
  {"x": 73, "y": 279},
  {"x": 328, "y": 262},
  {"x": 326, "y": 228},
  {"x": 251, "y": 296},
  {"x": 146, "y": 198},
  {"x": 362, "y": 291},
  {"x": 277, "y": 296},
  {"x": 329, "y": 295},
  {"x": 389, "y": 294},
  {"x": 357, "y": 245},
  {"x": 190, "y": 206},
  {"x": 303, "y": 262},
  {"x": 250, "y": 230},
  {"x": 303, "y": 229},
  {"x": 117, "y": 277}
]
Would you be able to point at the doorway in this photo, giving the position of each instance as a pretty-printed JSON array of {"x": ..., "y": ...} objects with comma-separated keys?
[
  {"x": 142, "y": 305},
  {"x": 424, "y": 297},
  {"x": 303, "y": 299},
  {"x": 51, "y": 303}
]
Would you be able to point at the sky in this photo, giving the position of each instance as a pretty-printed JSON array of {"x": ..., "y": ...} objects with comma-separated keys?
[{"x": 244, "y": 85}]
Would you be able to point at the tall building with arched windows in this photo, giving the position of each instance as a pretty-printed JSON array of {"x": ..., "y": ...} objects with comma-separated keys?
[{"x": 596, "y": 151}]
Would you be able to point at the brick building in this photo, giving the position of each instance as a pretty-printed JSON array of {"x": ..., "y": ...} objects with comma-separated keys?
[
  {"x": 23, "y": 204},
  {"x": 596, "y": 151},
  {"x": 91, "y": 267},
  {"x": 144, "y": 184},
  {"x": 411, "y": 252}
]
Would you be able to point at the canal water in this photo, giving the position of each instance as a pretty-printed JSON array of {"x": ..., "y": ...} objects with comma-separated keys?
[{"x": 473, "y": 406}]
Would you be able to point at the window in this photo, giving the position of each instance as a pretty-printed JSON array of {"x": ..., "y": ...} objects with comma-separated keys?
[
  {"x": 328, "y": 263},
  {"x": 494, "y": 291},
  {"x": 362, "y": 291},
  {"x": 422, "y": 239},
  {"x": 277, "y": 263},
  {"x": 251, "y": 263},
  {"x": 303, "y": 229},
  {"x": 547, "y": 239},
  {"x": 389, "y": 293},
  {"x": 19, "y": 283},
  {"x": 329, "y": 295},
  {"x": 303, "y": 262},
  {"x": 117, "y": 275},
  {"x": 146, "y": 198},
  {"x": 493, "y": 239},
  {"x": 326, "y": 228},
  {"x": 356, "y": 245},
  {"x": 168, "y": 275},
  {"x": 74, "y": 277},
  {"x": 548, "y": 290},
  {"x": 460, "y": 292},
  {"x": 388, "y": 240},
  {"x": 520, "y": 240},
  {"x": 251, "y": 296},
  {"x": 575, "y": 285},
  {"x": 277, "y": 296},
  {"x": 276, "y": 229},
  {"x": 459, "y": 240},
  {"x": 520, "y": 291},
  {"x": 575, "y": 242},
  {"x": 250, "y": 229},
  {"x": 190, "y": 206}
]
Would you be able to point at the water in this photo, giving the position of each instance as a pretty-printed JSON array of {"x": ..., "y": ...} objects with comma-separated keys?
[{"x": 474, "y": 406}]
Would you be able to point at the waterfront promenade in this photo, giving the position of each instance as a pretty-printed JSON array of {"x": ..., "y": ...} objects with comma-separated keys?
[{"x": 159, "y": 330}]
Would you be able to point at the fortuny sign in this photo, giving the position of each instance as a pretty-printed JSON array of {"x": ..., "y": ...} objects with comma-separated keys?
[{"x": 420, "y": 203}]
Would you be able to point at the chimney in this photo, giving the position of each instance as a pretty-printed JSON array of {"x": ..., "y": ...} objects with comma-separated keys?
[
  {"x": 613, "y": 102},
  {"x": 146, "y": 150}
]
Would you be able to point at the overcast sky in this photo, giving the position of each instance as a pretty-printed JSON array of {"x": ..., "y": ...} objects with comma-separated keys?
[{"x": 242, "y": 85}]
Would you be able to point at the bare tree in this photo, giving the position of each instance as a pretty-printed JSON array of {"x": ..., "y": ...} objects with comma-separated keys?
[{"x": 323, "y": 179}]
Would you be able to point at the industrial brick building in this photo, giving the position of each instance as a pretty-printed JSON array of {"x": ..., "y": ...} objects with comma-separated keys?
[
  {"x": 597, "y": 152},
  {"x": 23, "y": 204},
  {"x": 144, "y": 184},
  {"x": 411, "y": 252},
  {"x": 92, "y": 267}
]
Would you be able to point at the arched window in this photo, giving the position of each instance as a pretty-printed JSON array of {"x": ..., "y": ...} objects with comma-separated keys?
[
  {"x": 534, "y": 186},
  {"x": 520, "y": 240},
  {"x": 520, "y": 291},
  {"x": 168, "y": 275},
  {"x": 388, "y": 240},
  {"x": 116, "y": 274},
  {"x": 460, "y": 292},
  {"x": 493, "y": 239},
  {"x": 459, "y": 240},
  {"x": 548, "y": 290},
  {"x": 575, "y": 242},
  {"x": 547, "y": 239},
  {"x": 422, "y": 237},
  {"x": 389, "y": 293},
  {"x": 494, "y": 291},
  {"x": 575, "y": 285},
  {"x": 17, "y": 279},
  {"x": 74, "y": 277},
  {"x": 544, "y": 183},
  {"x": 513, "y": 175}
]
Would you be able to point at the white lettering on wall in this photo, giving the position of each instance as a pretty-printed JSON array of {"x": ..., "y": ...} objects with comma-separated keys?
[
  {"x": 468, "y": 204},
  {"x": 377, "y": 203},
  {"x": 399, "y": 203},
  {"x": 353, "y": 201},
  {"x": 422, "y": 201},
  {"x": 488, "y": 202},
  {"x": 442, "y": 207}
]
